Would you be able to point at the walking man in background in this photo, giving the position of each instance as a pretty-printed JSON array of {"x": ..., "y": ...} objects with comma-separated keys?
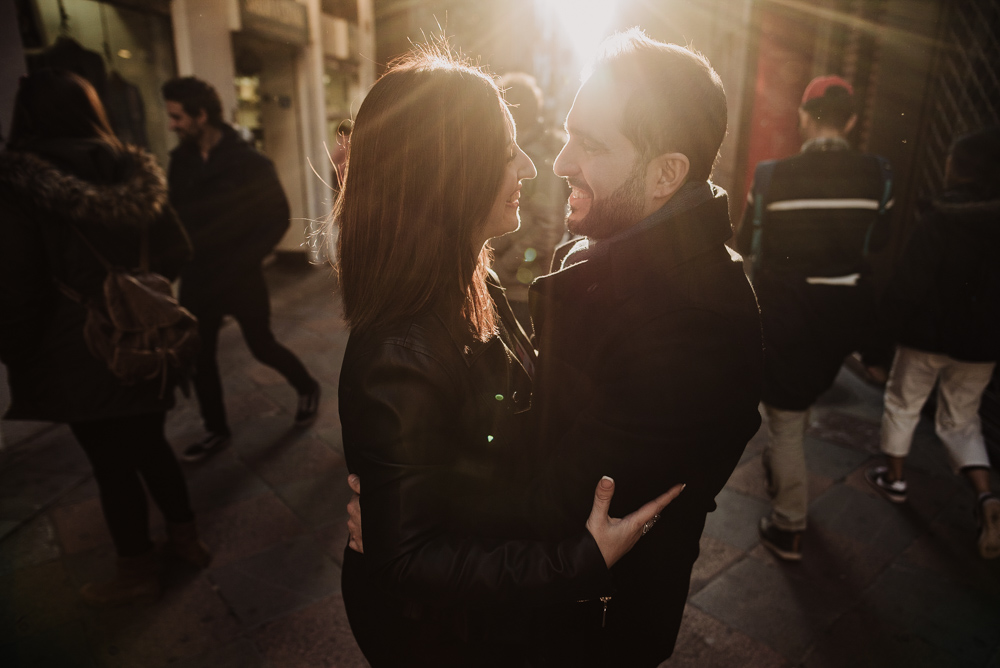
[
  {"x": 811, "y": 221},
  {"x": 230, "y": 200}
]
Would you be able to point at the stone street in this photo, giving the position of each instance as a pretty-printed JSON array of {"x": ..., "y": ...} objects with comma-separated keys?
[{"x": 880, "y": 584}]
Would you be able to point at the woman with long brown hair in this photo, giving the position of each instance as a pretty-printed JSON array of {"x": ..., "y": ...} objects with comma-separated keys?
[
  {"x": 69, "y": 190},
  {"x": 435, "y": 372}
]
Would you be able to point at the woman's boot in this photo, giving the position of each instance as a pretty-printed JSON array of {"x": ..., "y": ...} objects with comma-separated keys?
[
  {"x": 135, "y": 578},
  {"x": 183, "y": 543}
]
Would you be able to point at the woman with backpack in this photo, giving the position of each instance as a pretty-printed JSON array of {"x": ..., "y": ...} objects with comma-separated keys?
[{"x": 73, "y": 202}]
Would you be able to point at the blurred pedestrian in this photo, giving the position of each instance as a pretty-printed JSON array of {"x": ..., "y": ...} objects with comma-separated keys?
[
  {"x": 942, "y": 307},
  {"x": 69, "y": 190},
  {"x": 433, "y": 385},
  {"x": 525, "y": 254},
  {"x": 810, "y": 222},
  {"x": 230, "y": 200}
]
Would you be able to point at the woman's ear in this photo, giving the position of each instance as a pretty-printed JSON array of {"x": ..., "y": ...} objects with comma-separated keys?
[{"x": 668, "y": 172}]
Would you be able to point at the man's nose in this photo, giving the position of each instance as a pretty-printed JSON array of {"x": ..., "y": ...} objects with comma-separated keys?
[{"x": 564, "y": 165}]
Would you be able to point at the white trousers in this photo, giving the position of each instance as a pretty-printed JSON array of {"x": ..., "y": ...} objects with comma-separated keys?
[{"x": 960, "y": 390}]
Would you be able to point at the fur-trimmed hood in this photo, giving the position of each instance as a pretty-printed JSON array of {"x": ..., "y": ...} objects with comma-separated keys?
[{"x": 115, "y": 190}]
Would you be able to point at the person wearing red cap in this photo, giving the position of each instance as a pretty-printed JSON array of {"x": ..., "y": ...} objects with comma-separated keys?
[{"x": 810, "y": 223}]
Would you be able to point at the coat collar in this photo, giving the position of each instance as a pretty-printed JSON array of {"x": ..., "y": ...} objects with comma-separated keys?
[
  {"x": 140, "y": 196},
  {"x": 655, "y": 246}
]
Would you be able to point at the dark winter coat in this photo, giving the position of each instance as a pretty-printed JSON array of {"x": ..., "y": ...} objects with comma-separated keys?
[
  {"x": 109, "y": 197},
  {"x": 428, "y": 423},
  {"x": 649, "y": 371},
  {"x": 235, "y": 211},
  {"x": 821, "y": 213},
  {"x": 944, "y": 296}
]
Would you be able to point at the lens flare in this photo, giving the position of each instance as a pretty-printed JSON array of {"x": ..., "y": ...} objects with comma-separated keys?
[{"x": 584, "y": 23}]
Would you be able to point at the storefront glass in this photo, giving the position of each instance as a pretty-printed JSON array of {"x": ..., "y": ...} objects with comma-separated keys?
[{"x": 126, "y": 53}]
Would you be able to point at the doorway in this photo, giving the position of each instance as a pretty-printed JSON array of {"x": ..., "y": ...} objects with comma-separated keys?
[{"x": 268, "y": 110}]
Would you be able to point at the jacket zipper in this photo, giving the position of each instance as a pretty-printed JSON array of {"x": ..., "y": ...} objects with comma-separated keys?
[{"x": 604, "y": 613}]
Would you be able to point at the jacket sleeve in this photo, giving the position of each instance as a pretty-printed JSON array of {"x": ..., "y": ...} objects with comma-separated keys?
[
  {"x": 398, "y": 415},
  {"x": 245, "y": 219},
  {"x": 672, "y": 406},
  {"x": 170, "y": 247},
  {"x": 267, "y": 204},
  {"x": 880, "y": 233}
]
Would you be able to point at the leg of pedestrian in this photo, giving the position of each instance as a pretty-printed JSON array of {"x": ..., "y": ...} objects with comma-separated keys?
[
  {"x": 208, "y": 390},
  {"x": 959, "y": 427},
  {"x": 911, "y": 381},
  {"x": 785, "y": 467}
]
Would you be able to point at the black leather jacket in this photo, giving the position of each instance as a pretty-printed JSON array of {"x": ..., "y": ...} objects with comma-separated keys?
[{"x": 428, "y": 419}]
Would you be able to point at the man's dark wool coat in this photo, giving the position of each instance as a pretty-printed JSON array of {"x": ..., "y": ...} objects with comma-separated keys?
[{"x": 649, "y": 371}]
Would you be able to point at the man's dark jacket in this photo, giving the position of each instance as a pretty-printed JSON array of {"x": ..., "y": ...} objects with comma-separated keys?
[
  {"x": 649, "y": 371},
  {"x": 821, "y": 213},
  {"x": 235, "y": 211},
  {"x": 944, "y": 296}
]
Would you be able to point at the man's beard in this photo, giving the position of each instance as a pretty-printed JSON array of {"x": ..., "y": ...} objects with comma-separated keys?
[{"x": 616, "y": 213}]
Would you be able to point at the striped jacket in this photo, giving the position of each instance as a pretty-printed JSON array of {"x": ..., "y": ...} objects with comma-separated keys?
[{"x": 818, "y": 214}]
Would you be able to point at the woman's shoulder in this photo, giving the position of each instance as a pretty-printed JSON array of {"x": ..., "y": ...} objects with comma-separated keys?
[
  {"x": 423, "y": 339},
  {"x": 414, "y": 353}
]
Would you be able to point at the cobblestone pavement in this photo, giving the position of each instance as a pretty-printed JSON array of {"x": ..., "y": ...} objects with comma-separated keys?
[{"x": 879, "y": 585}]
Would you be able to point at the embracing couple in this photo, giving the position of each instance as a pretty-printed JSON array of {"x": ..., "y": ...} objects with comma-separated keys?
[{"x": 478, "y": 447}]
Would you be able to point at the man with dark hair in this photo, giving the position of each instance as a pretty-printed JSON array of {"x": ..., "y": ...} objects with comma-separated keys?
[
  {"x": 942, "y": 308},
  {"x": 810, "y": 223},
  {"x": 230, "y": 200},
  {"x": 650, "y": 363}
]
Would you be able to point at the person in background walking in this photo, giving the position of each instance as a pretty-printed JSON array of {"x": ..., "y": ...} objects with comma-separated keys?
[
  {"x": 810, "y": 222},
  {"x": 942, "y": 308},
  {"x": 230, "y": 200},
  {"x": 67, "y": 183}
]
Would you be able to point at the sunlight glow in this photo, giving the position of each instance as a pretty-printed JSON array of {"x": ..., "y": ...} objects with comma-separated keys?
[{"x": 584, "y": 23}]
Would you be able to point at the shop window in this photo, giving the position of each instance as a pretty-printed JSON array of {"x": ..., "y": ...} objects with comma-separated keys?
[{"x": 127, "y": 54}]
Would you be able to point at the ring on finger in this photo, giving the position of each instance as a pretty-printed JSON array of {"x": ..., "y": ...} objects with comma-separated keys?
[{"x": 649, "y": 525}]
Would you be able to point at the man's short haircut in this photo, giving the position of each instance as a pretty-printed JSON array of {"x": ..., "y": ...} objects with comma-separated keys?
[
  {"x": 193, "y": 95},
  {"x": 676, "y": 102},
  {"x": 975, "y": 159}
]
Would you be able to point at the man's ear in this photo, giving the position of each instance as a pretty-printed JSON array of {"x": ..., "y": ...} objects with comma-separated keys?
[
  {"x": 202, "y": 117},
  {"x": 667, "y": 173}
]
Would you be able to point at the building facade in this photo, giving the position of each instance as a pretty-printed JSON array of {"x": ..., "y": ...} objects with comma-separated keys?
[{"x": 287, "y": 72}]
